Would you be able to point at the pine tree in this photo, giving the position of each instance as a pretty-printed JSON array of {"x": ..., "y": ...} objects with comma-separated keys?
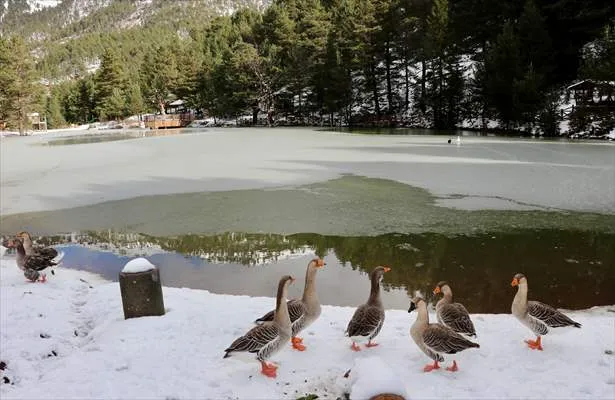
[
  {"x": 111, "y": 83},
  {"x": 496, "y": 77},
  {"x": 535, "y": 43},
  {"x": 134, "y": 101},
  {"x": 159, "y": 75},
  {"x": 19, "y": 90},
  {"x": 115, "y": 105},
  {"x": 55, "y": 118}
]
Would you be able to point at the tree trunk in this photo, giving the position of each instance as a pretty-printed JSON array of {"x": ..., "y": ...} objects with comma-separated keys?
[
  {"x": 407, "y": 82},
  {"x": 374, "y": 82},
  {"x": 423, "y": 86},
  {"x": 254, "y": 115},
  {"x": 388, "y": 77}
]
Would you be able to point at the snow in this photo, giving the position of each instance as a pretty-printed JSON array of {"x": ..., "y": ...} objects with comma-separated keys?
[
  {"x": 98, "y": 354},
  {"x": 372, "y": 376},
  {"x": 137, "y": 265},
  {"x": 561, "y": 174}
]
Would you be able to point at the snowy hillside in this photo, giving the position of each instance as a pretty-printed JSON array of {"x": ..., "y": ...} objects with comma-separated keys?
[{"x": 68, "y": 339}]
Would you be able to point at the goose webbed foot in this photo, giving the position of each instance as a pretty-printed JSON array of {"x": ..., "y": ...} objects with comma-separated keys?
[
  {"x": 354, "y": 347},
  {"x": 370, "y": 344},
  {"x": 453, "y": 368},
  {"x": 269, "y": 370},
  {"x": 431, "y": 367},
  {"x": 298, "y": 346},
  {"x": 534, "y": 344}
]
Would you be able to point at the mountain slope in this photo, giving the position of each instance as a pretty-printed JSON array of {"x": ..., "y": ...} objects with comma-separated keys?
[{"x": 68, "y": 35}]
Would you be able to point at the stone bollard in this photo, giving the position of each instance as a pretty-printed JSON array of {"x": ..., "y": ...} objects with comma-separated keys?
[{"x": 141, "y": 289}]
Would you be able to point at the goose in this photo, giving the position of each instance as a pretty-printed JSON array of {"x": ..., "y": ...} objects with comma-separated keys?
[
  {"x": 539, "y": 317},
  {"x": 47, "y": 252},
  {"x": 369, "y": 317},
  {"x": 269, "y": 338},
  {"x": 303, "y": 312},
  {"x": 435, "y": 339},
  {"x": 30, "y": 264},
  {"x": 453, "y": 315}
]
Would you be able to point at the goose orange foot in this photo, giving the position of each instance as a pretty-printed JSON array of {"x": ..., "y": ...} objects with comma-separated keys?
[
  {"x": 431, "y": 367},
  {"x": 298, "y": 346},
  {"x": 296, "y": 339},
  {"x": 534, "y": 344},
  {"x": 269, "y": 370},
  {"x": 354, "y": 347},
  {"x": 370, "y": 344},
  {"x": 43, "y": 278},
  {"x": 453, "y": 368}
]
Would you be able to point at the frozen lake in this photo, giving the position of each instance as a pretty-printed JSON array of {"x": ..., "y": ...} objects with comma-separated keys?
[
  {"x": 481, "y": 173},
  {"x": 474, "y": 213}
]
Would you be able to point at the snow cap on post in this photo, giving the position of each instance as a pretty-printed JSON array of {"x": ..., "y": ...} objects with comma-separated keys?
[{"x": 141, "y": 289}]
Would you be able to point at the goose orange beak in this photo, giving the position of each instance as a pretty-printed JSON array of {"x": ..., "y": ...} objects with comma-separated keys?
[
  {"x": 321, "y": 263},
  {"x": 436, "y": 290},
  {"x": 387, "y": 269},
  {"x": 514, "y": 282}
]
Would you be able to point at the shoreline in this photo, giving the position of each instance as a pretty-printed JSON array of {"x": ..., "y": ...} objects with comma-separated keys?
[{"x": 60, "y": 330}]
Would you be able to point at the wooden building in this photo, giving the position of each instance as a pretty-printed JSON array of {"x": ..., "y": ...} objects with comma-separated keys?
[
  {"x": 177, "y": 116},
  {"x": 589, "y": 93}
]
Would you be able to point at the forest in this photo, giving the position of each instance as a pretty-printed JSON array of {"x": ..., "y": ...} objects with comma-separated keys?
[{"x": 427, "y": 63}]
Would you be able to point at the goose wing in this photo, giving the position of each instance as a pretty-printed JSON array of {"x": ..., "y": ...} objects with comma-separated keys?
[
  {"x": 549, "y": 315},
  {"x": 37, "y": 263},
  {"x": 441, "y": 339},
  {"x": 365, "y": 321},
  {"x": 456, "y": 317},
  {"x": 296, "y": 309},
  {"x": 253, "y": 341},
  {"x": 46, "y": 252}
]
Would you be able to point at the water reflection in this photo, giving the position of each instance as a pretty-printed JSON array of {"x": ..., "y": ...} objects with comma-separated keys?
[
  {"x": 111, "y": 137},
  {"x": 566, "y": 269}
]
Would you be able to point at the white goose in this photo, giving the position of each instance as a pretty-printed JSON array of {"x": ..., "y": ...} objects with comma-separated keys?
[{"x": 539, "y": 317}]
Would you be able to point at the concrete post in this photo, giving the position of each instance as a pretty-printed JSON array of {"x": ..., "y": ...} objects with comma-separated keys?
[{"x": 141, "y": 293}]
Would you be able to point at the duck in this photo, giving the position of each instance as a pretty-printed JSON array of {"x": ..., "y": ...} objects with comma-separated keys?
[
  {"x": 31, "y": 265},
  {"x": 435, "y": 339},
  {"x": 453, "y": 315},
  {"x": 368, "y": 318},
  {"x": 539, "y": 317},
  {"x": 26, "y": 239},
  {"x": 264, "y": 340},
  {"x": 303, "y": 312}
]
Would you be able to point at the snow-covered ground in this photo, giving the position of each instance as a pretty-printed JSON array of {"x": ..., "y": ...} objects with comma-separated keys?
[
  {"x": 498, "y": 173},
  {"x": 68, "y": 339}
]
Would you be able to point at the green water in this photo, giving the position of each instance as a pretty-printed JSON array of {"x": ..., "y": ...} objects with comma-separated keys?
[{"x": 348, "y": 206}]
